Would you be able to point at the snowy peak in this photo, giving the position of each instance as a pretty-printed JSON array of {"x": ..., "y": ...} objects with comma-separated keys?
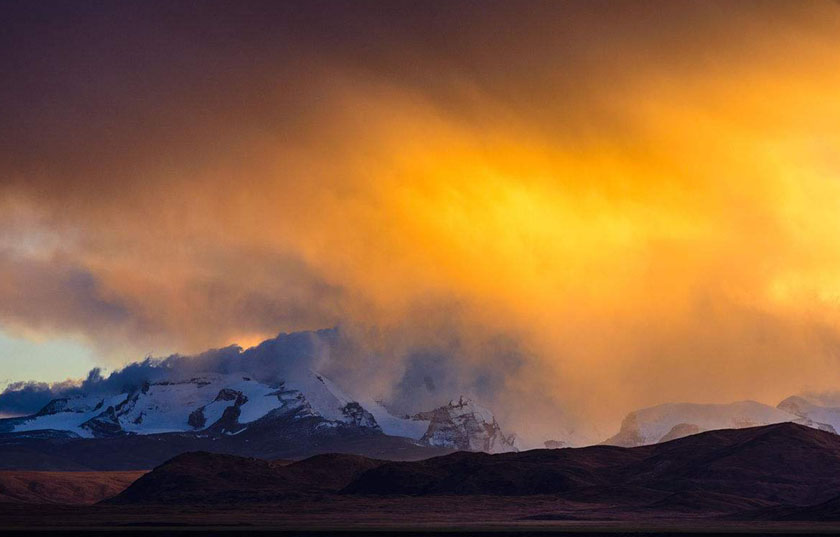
[
  {"x": 653, "y": 424},
  {"x": 815, "y": 414},
  {"x": 269, "y": 392},
  {"x": 467, "y": 426},
  {"x": 319, "y": 396},
  {"x": 670, "y": 421},
  {"x": 222, "y": 404},
  {"x": 216, "y": 404}
]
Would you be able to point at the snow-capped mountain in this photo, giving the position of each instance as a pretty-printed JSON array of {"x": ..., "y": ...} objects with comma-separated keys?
[
  {"x": 467, "y": 426},
  {"x": 225, "y": 405},
  {"x": 211, "y": 402},
  {"x": 812, "y": 409},
  {"x": 674, "y": 420}
]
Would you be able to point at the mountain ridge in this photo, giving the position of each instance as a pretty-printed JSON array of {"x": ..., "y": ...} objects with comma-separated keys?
[{"x": 767, "y": 472}]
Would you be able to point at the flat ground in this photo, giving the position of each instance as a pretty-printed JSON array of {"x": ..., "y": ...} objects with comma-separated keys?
[{"x": 388, "y": 516}]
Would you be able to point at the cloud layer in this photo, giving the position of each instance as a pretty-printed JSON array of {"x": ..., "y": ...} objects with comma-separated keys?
[{"x": 590, "y": 206}]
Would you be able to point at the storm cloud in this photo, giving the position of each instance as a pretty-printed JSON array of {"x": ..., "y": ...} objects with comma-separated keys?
[{"x": 567, "y": 209}]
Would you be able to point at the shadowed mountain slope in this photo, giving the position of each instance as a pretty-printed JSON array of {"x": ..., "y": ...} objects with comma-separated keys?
[
  {"x": 717, "y": 472},
  {"x": 274, "y": 438},
  {"x": 784, "y": 463},
  {"x": 202, "y": 477}
]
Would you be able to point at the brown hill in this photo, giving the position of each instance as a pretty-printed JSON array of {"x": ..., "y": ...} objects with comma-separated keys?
[
  {"x": 776, "y": 469},
  {"x": 780, "y": 464},
  {"x": 62, "y": 487},
  {"x": 202, "y": 477}
]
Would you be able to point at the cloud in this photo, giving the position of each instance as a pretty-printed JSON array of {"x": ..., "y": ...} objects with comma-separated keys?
[
  {"x": 271, "y": 361},
  {"x": 572, "y": 210},
  {"x": 25, "y": 398},
  {"x": 57, "y": 295},
  {"x": 135, "y": 310},
  {"x": 427, "y": 377}
]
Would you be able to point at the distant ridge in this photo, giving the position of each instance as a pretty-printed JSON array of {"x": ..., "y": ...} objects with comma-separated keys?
[{"x": 669, "y": 421}]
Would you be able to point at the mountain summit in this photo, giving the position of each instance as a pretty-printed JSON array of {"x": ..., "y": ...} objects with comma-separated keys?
[
  {"x": 216, "y": 402},
  {"x": 214, "y": 405}
]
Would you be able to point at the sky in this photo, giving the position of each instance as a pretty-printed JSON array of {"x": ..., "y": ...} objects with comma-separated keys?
[
  {"x": 53, "y": 359},
  {"x": 580, "y": 208}
]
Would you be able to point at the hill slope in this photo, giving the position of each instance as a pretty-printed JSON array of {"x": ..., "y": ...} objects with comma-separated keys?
[
  {"x": 202, "y": 477},
  {"x": 63, "y": 487},
  {"x": 712, "y": 473}
]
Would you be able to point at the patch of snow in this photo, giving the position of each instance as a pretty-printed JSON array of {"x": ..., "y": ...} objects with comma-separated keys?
[
  {"x": 262, "y": 399},
  {"x": 393, "y": 425},
  {"x": 165, "y": 406},
  {"x": 325, "y": 398},
  {"x": 75, "y": 413}
]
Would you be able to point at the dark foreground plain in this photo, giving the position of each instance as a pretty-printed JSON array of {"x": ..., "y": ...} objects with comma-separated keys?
[{"x": 780, "y": 479}]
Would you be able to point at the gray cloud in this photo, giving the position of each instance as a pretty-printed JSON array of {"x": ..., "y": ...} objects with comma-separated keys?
[{"x": 271, "y": 361}]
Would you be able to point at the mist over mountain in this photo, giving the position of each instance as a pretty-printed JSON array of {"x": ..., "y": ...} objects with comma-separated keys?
[
  {"x": 271, "y": 400},
  {"x": 669, "y": 421},
  {"x": 176, "y": 393},
  {"x": 429, "y": 378},
  {"x": 271, "y": 360}
]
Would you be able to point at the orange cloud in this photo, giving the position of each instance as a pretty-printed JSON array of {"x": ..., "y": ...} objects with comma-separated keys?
[{"x": 644, "y": 200}]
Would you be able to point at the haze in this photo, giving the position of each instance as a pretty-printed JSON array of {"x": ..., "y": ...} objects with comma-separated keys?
[{"x": 568, "y": 209}]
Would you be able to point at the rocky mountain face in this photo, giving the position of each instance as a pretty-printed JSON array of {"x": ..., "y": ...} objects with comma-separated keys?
[
  {"x": 466, "y": 426},
  {"x": 670, "y": 421}
]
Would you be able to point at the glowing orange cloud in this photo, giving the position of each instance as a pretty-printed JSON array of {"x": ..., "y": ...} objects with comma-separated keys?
[{"x": 650, "y": 211}]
